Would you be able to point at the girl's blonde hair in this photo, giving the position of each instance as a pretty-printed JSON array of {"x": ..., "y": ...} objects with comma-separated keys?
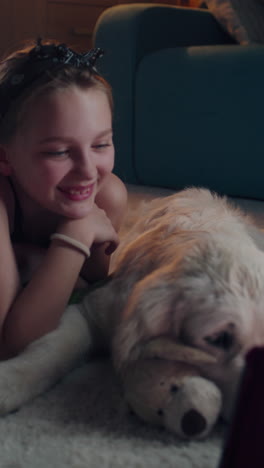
[{"x": 52, "y": 79}]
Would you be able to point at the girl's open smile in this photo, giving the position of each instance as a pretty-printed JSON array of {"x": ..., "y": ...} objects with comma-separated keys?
[{"x": 78, "y": 192}]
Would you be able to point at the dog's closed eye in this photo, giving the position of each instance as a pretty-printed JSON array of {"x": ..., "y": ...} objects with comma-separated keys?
[{"x": 223, "y": 340}]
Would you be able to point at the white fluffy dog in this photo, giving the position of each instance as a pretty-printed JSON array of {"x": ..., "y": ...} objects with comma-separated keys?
[{"x": 191, "y": 269}]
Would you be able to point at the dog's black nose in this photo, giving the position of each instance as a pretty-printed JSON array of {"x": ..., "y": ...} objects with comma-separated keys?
[{"x": 193, "y": 423}]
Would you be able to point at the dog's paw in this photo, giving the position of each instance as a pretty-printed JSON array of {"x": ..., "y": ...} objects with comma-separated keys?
[
  {"x": 16, "y": 386},
  {"x": 43, "y": 362}
]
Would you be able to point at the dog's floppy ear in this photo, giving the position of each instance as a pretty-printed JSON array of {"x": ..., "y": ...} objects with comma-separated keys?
[
  {"x": 149, "y": 312},
  {"x": 164, "y": 347}
]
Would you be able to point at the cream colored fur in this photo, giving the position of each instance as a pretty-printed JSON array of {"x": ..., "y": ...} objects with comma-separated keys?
[{"x": 191, "y": 268}]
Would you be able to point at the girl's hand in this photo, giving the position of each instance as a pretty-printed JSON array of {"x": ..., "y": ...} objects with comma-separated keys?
[{"x": 95, "y": 228}]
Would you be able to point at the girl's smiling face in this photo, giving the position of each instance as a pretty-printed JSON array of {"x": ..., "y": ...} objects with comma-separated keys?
[{"x": 62, "y": 153}]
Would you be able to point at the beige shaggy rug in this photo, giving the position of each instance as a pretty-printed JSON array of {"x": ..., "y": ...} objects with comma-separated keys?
[{"x": 83, "y": 423}]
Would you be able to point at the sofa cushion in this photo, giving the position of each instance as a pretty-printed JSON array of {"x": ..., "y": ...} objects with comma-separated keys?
[
  {"x": 243, "y": 19},
  {"x": 199, "y": 119}
]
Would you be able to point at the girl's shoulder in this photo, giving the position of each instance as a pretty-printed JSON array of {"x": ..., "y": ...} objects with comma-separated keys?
[{"x": 7, "y": 202}]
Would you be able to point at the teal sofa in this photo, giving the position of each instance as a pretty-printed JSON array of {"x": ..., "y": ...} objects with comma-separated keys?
[{"x": 189, "y": 101}]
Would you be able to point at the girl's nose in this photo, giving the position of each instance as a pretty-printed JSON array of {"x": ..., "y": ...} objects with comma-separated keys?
[{"x": 86, "y": 165}]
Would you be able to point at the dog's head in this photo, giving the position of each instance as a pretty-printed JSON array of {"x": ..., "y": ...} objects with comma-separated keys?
[{"x": 210, "y": 296}]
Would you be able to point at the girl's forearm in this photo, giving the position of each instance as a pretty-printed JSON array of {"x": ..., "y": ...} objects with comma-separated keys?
[{"x": 40, "y": 305}]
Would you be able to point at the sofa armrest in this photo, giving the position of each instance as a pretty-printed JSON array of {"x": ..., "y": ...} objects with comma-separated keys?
[
  {"x": 146, "y": 28},
  {"x": 127, "y": 33}
]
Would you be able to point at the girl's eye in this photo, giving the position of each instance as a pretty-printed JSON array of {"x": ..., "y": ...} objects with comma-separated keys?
[
  {"x": 56, "y": 153},
  {"x": 101, "y": 145}
]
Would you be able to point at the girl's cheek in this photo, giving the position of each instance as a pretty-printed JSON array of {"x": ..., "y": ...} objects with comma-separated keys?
[
  {"x": 105, "y": 165},
  {"x": 111, "y": 161},
  {"x": 110, "y": 165},
  {"x": 49, "y": 179},
  {"x": 55, "y": 173}
]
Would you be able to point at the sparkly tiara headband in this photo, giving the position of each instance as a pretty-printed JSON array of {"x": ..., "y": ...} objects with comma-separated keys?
[{"x": 41, "y": 59}]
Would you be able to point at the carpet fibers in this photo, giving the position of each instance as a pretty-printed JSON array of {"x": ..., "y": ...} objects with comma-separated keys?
[{"x": 83, "y": 423}]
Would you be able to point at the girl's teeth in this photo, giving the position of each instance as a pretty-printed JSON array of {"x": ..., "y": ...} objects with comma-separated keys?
[{"x": 78, "y": 192}]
